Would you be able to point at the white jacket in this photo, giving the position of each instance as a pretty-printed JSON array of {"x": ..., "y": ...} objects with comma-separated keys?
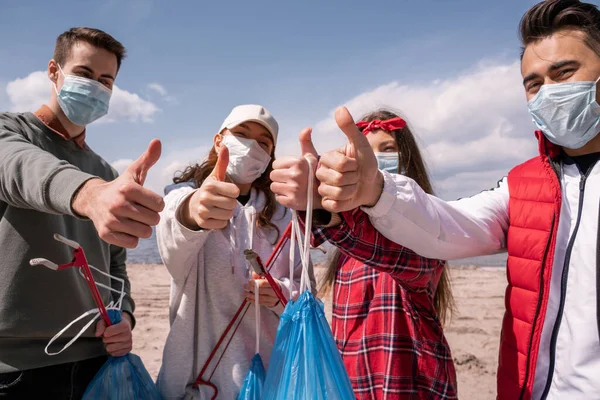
[
  {"x": 205, "y": 295},
  {"x": 477, "y": 226}
]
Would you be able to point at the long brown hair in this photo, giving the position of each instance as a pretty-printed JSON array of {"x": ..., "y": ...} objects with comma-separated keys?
[
  {"x": 413, "y": 165},
  {"x": 197, "y": 173}
]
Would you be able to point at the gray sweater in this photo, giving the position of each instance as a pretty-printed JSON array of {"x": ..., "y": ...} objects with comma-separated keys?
[{"x": 39, "y": 174}]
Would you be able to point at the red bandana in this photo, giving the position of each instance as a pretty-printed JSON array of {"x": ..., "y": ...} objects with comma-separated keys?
[{"x": 387, "y": 126}]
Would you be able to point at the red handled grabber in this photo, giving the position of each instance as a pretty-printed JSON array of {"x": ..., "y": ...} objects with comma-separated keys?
[
  {"x": 79, "y": 261},
  {"x": 259, "y": 268}
]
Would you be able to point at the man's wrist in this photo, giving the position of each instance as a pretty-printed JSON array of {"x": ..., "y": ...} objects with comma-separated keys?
[
  {"x": 374, "y": 192},
  {"x": 81, "y": 198}
]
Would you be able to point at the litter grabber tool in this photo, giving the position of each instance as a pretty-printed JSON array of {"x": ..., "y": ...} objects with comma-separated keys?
[
  {"x": 120, "y": 378},
  {"x": 258, "y": 267},
  {"x": 79, "y": 261}
]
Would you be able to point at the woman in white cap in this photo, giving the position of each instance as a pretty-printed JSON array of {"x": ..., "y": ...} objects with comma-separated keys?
[{"x": 214, "y": 212}]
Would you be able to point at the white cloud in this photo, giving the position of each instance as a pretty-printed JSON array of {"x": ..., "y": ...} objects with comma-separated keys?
[
  {"x": 27, "y": 94},
  {"x": 126, "y": 106},
  {"x": 469, "y": 125},
  {"x": 162, "y": 92},
  {"x": 121, "y": 165},
  {"x": 158, "y": 88}
]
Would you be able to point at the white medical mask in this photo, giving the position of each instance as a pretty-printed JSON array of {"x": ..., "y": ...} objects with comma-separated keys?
[
  {"x": 567, "y": 113},
  {"x": 82, "y": 100},
  {"x": 388, "y": 162},
  {"x": 247, "y": 160}
]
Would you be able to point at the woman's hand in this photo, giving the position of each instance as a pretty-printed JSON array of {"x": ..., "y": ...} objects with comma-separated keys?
[
  {"x": 211, "y": 206},
  {"x": 267, "y": 296}
]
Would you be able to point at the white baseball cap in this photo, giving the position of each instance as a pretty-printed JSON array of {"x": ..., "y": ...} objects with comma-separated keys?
[{"x": 252, "y": 113}]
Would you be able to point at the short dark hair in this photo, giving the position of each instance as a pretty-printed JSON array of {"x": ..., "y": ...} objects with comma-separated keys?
[
  {"x": 95, "y": 37},
  {"x": 551, "y": 16}
]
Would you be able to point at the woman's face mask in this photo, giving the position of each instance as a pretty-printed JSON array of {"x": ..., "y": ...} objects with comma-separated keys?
[
  {"x": 247, "y": 159},
  {"x": 388, "y": 162}
]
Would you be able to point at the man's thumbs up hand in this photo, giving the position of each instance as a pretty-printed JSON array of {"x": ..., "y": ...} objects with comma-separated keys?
[
  {"x": 349, "y": 177},
  {"x": 138, "y": 170},
  {"x": 123, "y": 211}
]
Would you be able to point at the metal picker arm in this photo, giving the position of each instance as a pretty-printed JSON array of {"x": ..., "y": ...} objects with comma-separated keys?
[
  {"x": 68, "y": 242},
  {"x": 253, "y": 259},
  {"x": 259, "y": 268},
  {"x": 43, "y": 262}
]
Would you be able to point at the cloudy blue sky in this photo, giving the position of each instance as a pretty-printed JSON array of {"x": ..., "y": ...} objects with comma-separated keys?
[{"x": 451, "y": 67}]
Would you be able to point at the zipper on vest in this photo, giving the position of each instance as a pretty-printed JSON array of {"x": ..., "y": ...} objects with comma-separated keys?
[
  {"x": 538, "y": 309},
  {"x": 539, "y": 304},
  {"x": 598, "y": 276},
  {"x": 563, "y": 285}
]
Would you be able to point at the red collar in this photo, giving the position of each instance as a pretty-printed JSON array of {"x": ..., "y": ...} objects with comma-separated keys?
[
  {"x": 48, "y": 118},
  {"x": 546, "y": 147}
]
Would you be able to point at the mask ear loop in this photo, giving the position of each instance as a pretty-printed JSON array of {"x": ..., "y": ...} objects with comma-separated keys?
[{"x": 54, "y": 84}]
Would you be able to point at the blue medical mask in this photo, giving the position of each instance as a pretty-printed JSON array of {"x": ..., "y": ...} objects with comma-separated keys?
[
  {"x": 83, "y": 100},
  {"x": 388, "y": 162},
  {"x": 567, "y": 113}
]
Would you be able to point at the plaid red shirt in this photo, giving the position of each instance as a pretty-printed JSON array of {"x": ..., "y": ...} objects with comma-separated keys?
[{"x": 384, "y": 320}]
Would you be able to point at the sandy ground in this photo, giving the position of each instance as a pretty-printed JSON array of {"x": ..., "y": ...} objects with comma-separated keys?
[{"x": 473, "y": 332}]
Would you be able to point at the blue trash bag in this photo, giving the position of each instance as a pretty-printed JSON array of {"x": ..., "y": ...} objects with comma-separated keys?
[
  {"x": 305, "y": 362},
  {"x": 122, "y": 378},
  {"x": 252, "y": 388}
]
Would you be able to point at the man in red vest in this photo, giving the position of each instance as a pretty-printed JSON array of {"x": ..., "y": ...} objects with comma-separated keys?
[{"x": 545, "y": 213}]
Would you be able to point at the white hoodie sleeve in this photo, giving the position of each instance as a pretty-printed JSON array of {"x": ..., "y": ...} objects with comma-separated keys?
[
  {"x": 434, "y": 228},
  {"x": 176, "y": 243}
]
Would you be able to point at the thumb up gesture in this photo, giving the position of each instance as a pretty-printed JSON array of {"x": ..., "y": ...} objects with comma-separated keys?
[
  {"x": 349, "y": 176},
  {"x": 123, "y": 210},
  {"x": 211, "y": 206},
  {"x": 290, "y": 176}
]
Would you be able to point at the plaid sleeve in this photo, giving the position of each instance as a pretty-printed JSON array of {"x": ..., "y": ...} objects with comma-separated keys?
[{"x": 356, "y": 237}]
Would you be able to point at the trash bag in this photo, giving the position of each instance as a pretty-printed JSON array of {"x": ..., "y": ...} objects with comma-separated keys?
[
  {"x": 253, "y": 384},
  {"x": 305, "y": 362},
  {"x": 252, "y": 389},
  {"x": 122, "y": 378}
]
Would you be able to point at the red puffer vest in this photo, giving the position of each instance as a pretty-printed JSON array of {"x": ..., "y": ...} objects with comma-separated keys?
[{"x": 534, "y": 208}]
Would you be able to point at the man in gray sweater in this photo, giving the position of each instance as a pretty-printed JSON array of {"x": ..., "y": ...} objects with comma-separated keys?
[{"x": 52, "y": 182}]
